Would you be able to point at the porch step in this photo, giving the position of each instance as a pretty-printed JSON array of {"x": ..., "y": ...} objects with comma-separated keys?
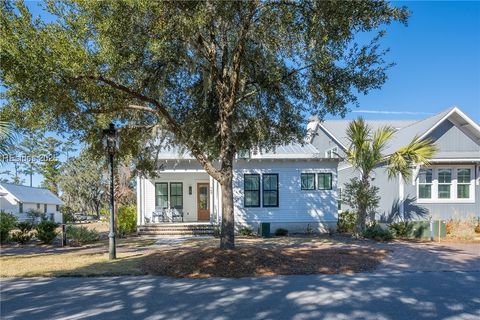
[{"x": 176, "y": 229}]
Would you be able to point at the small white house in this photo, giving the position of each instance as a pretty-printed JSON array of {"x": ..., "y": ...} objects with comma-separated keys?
[
  {"x": 293, "y": 187},
  {"x": 18, "y": 200}
]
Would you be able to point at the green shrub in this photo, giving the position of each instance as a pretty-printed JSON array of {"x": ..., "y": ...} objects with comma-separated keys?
[
  {"x": 67, "y": 214},
  {"x": 7, "y": 224},
  {"x": 36, "y": 216},
  {"x": 105, "y": 214},
  {"x": 46, "y": 231},
  {"x": 245, "y": 231},
  {"x": 127, "y": 220},
  {"x": 280, "y": 232},
  {"x": 376, "y": 232},
  {"x": 401, "y": 229},
  {"x": 346, "y": 221},
  {"x": 24, "y": 234},
  {"x": 81, "y": 235}
]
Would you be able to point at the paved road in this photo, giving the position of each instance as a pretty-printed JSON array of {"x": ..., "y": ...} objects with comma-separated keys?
[{"x": 394, "y": 295}]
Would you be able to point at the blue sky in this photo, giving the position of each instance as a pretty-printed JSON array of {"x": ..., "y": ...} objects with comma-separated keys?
[{"x": 437, "y": 60}]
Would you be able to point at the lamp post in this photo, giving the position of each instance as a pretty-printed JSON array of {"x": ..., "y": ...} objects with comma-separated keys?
[{"x": 111, "y": 142}]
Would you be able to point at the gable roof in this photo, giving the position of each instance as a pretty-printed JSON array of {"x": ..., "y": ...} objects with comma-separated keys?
[
  {"x": 31, "y": 194},
  {"x": 406, "y": 129}
]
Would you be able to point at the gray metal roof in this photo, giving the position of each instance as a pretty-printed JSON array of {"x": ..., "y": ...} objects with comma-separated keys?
[
  {"x": 406, "y": 129},
  {"x": 338, "y": 128},
  {"x": 31, "y": 194},
  {"x": 288, "y": 151}
]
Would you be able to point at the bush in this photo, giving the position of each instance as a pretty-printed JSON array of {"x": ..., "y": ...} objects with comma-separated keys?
[
  {"x": 401, "y": 229},
  {"x": 346, "y": 221},
  {"x": 36, "y": 216},
  {"x": 104, "y": 214},
  {"x": 46, "y": 231},
  {"x": 7, "y": 224},
  {"x": 280, "y": 232},
  {"x": 24, "y": 234},
  {"x": 67, "y": 214},
  {"x": 81, "y": 235},
  {"x": 477, "y": 228},
  {"x": 127, "y": 220},
  {"x": 245, "y": 231},
  {"x": 376, "y": 232},
  {"x": 463, "y": 229}
]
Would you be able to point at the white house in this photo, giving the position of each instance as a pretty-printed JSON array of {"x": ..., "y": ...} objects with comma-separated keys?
[
  {"x": 293, "y": 187},
  {"x": 18, "y": 200}
]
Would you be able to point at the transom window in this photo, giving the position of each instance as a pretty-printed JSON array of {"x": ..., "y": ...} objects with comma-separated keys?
[
  {"x": 425, "y": 178},
  {"x": 270, "y": 190},
  {"x": 251, "y": 188},
  {"x": 325, "y": 181},
  {"x": 307, "y": 181},
  {"x": 446, "y": 184}
]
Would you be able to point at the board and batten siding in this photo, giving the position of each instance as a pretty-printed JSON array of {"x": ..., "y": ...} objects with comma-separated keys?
[
  {"x": 298, "y": 209},
  {"x": 450, "y": 138},
  {"x": 323, "y": 142}
]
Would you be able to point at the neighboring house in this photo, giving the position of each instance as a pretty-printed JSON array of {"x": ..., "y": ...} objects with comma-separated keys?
[
  {"x": 447, "y": 188},
  {"x": 292, "y": 187},
  {"x": 18, "y": 200}
]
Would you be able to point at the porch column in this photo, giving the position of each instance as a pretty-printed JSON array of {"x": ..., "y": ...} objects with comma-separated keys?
[{"x": 211, "y": 187}]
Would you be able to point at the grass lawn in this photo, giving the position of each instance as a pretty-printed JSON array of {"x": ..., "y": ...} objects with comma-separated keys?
[{"x": 194, "y": 258}]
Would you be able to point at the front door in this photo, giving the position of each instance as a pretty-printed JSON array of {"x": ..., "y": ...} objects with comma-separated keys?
[{"x": 203, "y": 199}]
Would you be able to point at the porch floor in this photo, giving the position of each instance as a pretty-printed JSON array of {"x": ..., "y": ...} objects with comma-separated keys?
[{"x": 177, "y": 228}]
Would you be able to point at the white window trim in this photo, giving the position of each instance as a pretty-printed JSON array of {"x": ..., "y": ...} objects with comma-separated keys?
[
  {"x": 453, "y": 188},
  {"x": 333, "y": 153}
]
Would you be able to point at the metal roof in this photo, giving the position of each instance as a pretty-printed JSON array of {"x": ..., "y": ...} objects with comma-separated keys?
[
  {"x": 288, "y": 151},
  {"x": 338, "y": 128},
  {"x": 31, "y": 194},
  {"x": 406, "y": 129}
]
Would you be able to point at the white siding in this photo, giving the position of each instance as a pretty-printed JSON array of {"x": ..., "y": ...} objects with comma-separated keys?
[
  {"x": 295, "y": 205},
  {"x": 189, "y": 201}
]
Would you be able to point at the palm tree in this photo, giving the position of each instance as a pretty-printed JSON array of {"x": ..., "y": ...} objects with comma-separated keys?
[
  {"x": 366, "y": 152},
  {"x": 7, "y": 138}
]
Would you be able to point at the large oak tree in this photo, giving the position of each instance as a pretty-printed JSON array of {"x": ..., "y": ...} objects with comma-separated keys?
[{"x": 214, "y": 77}]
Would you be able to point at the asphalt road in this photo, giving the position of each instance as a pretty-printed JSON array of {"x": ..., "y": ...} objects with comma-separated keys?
[{"x": 401, "y": 295}]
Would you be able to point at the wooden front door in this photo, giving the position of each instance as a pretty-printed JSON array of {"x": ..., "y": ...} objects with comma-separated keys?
[{"x": 203, "y": 202}]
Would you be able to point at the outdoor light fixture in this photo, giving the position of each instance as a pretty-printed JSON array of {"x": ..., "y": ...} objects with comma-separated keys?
[
  {"x": 190, "y": 190},
  {"x": 111, "y": 142}
]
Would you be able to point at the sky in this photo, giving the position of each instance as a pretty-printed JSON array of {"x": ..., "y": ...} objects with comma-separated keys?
[{"x": 437, "y": 58}]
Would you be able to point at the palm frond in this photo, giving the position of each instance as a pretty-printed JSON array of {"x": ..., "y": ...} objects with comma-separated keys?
[
  {"x": 7, "y": 138},
  {"x": 418, "y": 151}
]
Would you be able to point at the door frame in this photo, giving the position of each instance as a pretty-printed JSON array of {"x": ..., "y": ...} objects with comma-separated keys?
[{"x": 207, "y": 184}]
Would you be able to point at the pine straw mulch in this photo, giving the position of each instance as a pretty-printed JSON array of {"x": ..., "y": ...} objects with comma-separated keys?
[{"x": 254, "y": 261}]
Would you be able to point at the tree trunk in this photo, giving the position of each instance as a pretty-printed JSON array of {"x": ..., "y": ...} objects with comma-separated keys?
[
  {"x": 362, "y": 208},
  {"x": 227, "y": 233}
]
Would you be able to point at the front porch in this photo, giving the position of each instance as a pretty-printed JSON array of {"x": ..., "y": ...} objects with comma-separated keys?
[{"x": 177, "y": 197}]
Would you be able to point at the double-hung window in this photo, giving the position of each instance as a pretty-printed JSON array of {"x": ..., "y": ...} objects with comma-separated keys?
[
  {"x": 270, "y": 190},
  {"x": 176, "y": 195},
  {"x": 251, "y": 189},
  {"x": 325, "y": 181},
  {"x": 425, "y": 178},
  {"x": 307, "y": 181},
  {"x": 444, "y": 183},
  {"x": 45, "y": 208},
  {"x": 463, "y": 183},
  {"x": 161, "y": 195}
]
